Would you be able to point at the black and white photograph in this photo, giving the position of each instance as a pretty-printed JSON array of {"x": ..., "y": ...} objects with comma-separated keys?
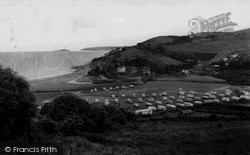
[{"x": 124, "y": 77}]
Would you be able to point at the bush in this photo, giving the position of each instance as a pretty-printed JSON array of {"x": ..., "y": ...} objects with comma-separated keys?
[
  {"x": 99, "y": 117},
  {"x": 110, "y": 110},
  {"x": 17, "y": 106},
  {"x": 76, "y": 116},
  {"x": 46, "y": 108},
  {"x": 234, "y": 76},
  {"x": 120, "y": 116},
  {"x": 212, "y": 117},
  {"x": 66, "y": 105},
  {"x": 73, "y": 126},
  {"x": 129, "y": 115},
  {"x": 90, "y": 126},
  {"x": 48, "y": 126}
]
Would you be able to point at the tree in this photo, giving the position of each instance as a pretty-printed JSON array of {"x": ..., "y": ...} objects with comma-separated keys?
[
  {"x": 99, "y": 118},
  {"x": 17, "y": 106},
  {"x": 65, "y": 105},
  {"x": 73, "y": 126},
  {"x": 76, "y": 125},
  {"x": 48, "y": 126},
  {"x": 46, "y": 108},
  {"x": 76, "y": 116}
]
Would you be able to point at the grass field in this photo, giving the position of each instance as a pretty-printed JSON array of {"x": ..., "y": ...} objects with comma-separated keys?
[
  {"x": 164, "y": 132},
  {"x": 171, "y": 88},
  {"x": 158, "y": 87},
  {"x": 169, "y": 137},
  {"x": 83, "y": 90},
  {"x": 192, "y": 78}
]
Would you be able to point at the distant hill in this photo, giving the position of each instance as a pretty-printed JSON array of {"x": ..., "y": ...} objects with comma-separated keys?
[
  {"x": 101, "y": 48},
  {"x": 63, "y": 50},
  {"x": 204, "y": 43},
  {"x": 161, "y": 52}
]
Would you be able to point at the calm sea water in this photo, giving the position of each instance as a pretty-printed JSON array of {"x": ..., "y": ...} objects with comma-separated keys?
[{"x": 34, "y": 65}]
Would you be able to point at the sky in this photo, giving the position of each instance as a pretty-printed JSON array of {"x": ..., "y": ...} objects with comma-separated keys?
[{"x": 47, "y": 25}]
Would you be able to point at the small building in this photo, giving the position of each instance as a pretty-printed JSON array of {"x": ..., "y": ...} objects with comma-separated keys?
[{"x": 121, "y": 69}]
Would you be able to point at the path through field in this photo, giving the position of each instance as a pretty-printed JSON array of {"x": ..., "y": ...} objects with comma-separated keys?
[{"x": 74, "y": 81}]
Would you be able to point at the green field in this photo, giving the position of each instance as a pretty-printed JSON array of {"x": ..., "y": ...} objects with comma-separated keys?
[
  {"x": 167, "y": 84},
  {"x": 209, "y": 130},
  {"x": 168, "y": 137},
  {"x": 192, "y": 78},
  {"x": 171, "y": 88}
]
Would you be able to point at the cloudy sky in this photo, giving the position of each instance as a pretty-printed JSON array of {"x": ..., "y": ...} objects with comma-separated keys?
[{"x": 38, "y": 25}]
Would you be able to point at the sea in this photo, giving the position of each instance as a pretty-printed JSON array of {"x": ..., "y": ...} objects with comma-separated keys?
[{"x": 43, "y": 64}]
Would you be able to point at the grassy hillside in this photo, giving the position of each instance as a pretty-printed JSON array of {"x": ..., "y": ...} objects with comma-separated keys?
[
  {"x": 217, "y": 45},
  {"x": 205, "y": 43},
  {"x": 167, "y": 54}
]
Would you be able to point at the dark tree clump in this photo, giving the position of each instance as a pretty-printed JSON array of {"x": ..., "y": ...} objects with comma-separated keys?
[
  {"x": 64, "y": 106},
  {"x": 17, "y": 106}
]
